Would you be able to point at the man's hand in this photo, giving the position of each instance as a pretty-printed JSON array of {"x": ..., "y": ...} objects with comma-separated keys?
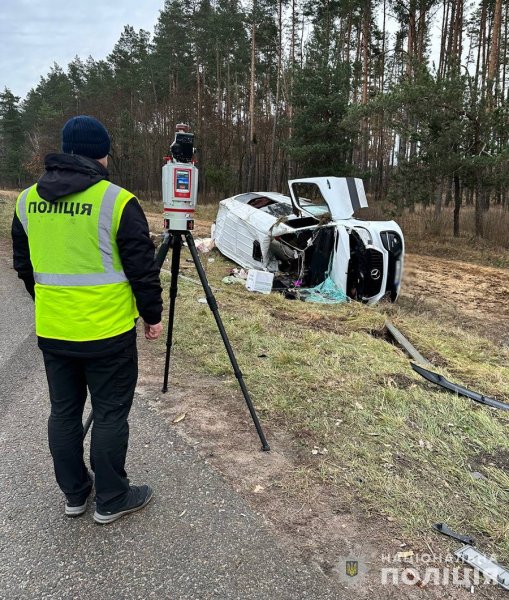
[{"x": 152, "y": 332}]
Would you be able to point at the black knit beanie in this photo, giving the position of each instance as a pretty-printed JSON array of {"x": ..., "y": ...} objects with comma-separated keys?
[{"x": 85, "y": 136}]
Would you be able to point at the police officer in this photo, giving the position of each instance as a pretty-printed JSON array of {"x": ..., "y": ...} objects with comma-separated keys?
[{"x": 82, "y": 248}]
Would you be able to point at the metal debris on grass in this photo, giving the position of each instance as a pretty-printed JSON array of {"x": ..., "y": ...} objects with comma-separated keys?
[{"x": 458, "y": 389}]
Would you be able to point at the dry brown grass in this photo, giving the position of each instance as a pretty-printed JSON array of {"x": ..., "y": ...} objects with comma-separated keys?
[
  {"x": 7, "y": 204},
  {"x": 428, "y": 235},
  {"x": 11, "y": 194},
  {"x": 422, "y": 223}
]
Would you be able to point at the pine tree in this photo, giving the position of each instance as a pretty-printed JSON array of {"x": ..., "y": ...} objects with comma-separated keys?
[
  {"x": 11, "y": 140},
  {"x": 320, "y": 144}
]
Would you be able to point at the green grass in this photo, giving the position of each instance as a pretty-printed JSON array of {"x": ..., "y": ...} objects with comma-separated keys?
[{"x": 399, "y": 446}]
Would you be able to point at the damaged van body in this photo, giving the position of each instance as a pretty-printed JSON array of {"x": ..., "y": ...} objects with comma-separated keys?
[{"x": 311, "y": 234}]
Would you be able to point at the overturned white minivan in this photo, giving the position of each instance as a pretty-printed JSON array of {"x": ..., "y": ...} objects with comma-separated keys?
[{"x": 312, "y": 235}]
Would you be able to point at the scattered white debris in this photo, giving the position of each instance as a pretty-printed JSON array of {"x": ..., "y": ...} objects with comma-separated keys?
[
  {"x": 259, "y": 281},
  {"x": 204, "y": 244}
]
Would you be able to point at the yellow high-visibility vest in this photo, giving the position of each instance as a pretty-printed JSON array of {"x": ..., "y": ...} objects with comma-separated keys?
[{"x": 81, "y": 291}]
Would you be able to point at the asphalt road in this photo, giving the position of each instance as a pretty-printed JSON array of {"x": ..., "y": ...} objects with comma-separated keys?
[{"x": 196, "y": 540}]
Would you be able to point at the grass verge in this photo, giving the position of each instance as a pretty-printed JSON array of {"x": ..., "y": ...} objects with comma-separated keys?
[{"x": 364, "y": 421}]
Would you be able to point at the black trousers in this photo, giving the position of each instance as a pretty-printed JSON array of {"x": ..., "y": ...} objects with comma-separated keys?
[{"x": 111, "y": 381}]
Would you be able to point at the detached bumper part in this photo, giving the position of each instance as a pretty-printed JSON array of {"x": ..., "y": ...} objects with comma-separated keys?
[
  {"x": 402, "y": 340},
  {"x": 458, "y": 389},
  {"x": 489, "y": 568}
]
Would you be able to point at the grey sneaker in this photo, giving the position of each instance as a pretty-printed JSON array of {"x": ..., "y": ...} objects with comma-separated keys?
[
  {"x": 75, "y": 510},
  {"x": 139, "y": 496}
]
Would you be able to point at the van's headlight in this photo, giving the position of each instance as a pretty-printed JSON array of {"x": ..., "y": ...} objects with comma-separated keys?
[{"x": 364, "y": 235}]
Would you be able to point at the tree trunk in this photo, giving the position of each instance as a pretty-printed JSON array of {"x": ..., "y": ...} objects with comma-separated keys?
[
  {"x": 448, "y": 192},
  {"x": 365, "y": 51},
  {"x": 479, "y": 217},
  {"x": 494, "y": 58},
  {"x": 278, "y": 89},
  {"x": 457, "y": 205},
  {"x": 411, "y": 39},
  {"x": 479, "y": 71},
  {"x": 365, "y": 81},
  {"x": 443, "y": 38},
  {"x": 438, "y": 200},
  {"x": 252, "y": 132},
  {"x": 291, "y": 164}
]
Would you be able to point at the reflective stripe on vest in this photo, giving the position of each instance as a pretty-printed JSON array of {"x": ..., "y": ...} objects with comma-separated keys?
[
  {"x": 83, "y": 279},
  {"x": 22, "y": 209},
  {"x": 105, "y": 246},
  {"x": 105, "y": 219}
]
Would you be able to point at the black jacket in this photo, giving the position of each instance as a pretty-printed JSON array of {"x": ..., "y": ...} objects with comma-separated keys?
[{"x": 67, "y": 174}]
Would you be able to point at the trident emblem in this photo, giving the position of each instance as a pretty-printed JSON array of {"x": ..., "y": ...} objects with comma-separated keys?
[{"x": 352, "y": 568}]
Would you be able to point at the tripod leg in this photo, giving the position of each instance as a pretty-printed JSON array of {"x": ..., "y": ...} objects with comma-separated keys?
[
  {"x": 88, "y": 422},
  {"x": 163, "y": 249},
  {"x": 175, "y": 263},
  {"x": 213, "y": 307}
]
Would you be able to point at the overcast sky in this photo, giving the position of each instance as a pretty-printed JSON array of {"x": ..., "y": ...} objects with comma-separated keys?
[{"x": 34, "y": 34}]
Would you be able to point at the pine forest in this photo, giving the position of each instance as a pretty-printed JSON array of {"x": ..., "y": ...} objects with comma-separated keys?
[{"x": 410, "y": 95}]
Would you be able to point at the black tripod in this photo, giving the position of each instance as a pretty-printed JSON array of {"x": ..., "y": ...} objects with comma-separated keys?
[{"x": 175, "y": 240}]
